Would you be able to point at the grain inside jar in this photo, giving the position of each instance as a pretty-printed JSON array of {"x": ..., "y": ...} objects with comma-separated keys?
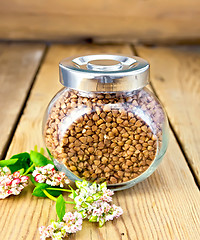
[{"x": 105, "y": 137}]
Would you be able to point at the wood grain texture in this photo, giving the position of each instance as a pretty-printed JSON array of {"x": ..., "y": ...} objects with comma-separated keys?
[
  {"x": 165, "y": 206},
  {"x": 18, "y": 66},
  {"x": 130, "y": 20},
  {"x": 175, "y": 74}
]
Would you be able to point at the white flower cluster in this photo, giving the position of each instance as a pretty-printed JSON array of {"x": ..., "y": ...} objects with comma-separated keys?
[
  {"x": 47, "y": 174},
  {"x": 93, "y": 202},
  {"x": 72, "y": 222},
  {"x": 11, "y": 184}
]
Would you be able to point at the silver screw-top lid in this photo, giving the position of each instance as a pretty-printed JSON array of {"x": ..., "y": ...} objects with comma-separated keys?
[{"x": 104, "y": 73}]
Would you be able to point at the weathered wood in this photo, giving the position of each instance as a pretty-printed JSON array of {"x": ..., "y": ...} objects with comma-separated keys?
[
  {"x": 175, "y": 76},
  {"x": 165, "y": 206},
  {"x": 144, "y": 21},
  {"x": 18, "y": 66}
]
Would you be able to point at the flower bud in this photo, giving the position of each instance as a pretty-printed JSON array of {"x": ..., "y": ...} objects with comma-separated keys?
[
  {"x": 8, "y": 182},
  {"x": 16, "y": 174},
  {"x": 38, "y": 177},
  {"x": 16, "y": 181},
  {"x": 24, "y": 178}
]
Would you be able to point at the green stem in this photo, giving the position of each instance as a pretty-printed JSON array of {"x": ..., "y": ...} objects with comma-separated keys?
[
  {"x": 69, "y": 202},
  {"x": 28, "y": 170},
  {"x": 49, "y": 195},
  {"x": 54, "y": 198},
  {"x": 59, "y": 189}
]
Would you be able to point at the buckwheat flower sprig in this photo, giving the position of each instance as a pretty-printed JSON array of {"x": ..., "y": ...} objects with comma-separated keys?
[
  {"x": 11, "y": 184},
  {"x": 93, "y": 202},
  {"x": 71, "y": 223},
  {"x": 47, "y": 174}
]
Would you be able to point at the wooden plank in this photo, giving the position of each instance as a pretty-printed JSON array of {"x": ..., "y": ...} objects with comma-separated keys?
[
  {"x": 175, "y": 76},
  {"x": 165, "y": 206},
  {"x": 143, "y": 21},
  {"x": 18, "y": 66}
]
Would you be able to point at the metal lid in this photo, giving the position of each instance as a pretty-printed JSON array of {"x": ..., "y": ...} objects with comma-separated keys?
[{"x": 104, "y": 73}]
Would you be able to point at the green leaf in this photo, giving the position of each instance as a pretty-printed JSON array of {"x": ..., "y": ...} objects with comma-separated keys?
[
  {"x": 96, "y": 196},
  {"x": 39, "y": 160},
  {"x": 8, "y": 162},
  {"x": 38, "y": 190},
  {"x": 73, "y": 194},
  {"x": 33, "y": 180},
  {"x": 40, "y": 186},
  {"x": 49, "y": 195},
  {"x": 42, "y": 151},
  {"x": 78, "y": 184},
  {"x": 17, "y": 162},
  {"x": 90, "y": 199},
  {"x": 21, "y": 156},
  {"x": 21, "y": 171},
  {"x": 54, "y": 193},
  {"x": 35, "y": 148},
  {"x": 84, "y": 183},
  {"x": 30, "y": 169},
  {"x": 60, "y": 207},
  {"x": 83, "y": 191},
  {"x": 93, "y": 219},
  {"x": 84, "y": 205},
  {"x": 23, "y": 162},
  {"x": 49, "y": 154},
  {"x": 83, "y": 213},
  {"x": 94, "y": 185},
  {"x": 103, "y": 185},
  {"x": 101, "y": 222}
]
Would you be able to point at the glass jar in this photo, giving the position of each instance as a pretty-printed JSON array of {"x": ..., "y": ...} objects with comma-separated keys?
[{"x": 105, "y": 125}]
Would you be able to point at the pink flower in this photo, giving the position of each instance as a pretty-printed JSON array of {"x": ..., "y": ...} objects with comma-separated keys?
[
  {"x": 16, "y": 174},
  {"x": 40, "y": 178},
  {"x": 107, "y": 193},
  {"x": 4, "y": 171},
  {"x": 9, "y": 192},
  {"x": 72, "y": 222},
  {"x": 16, "y": 181},
  {"x": 8, "y": 182},
  {"x": 47, "y": 174},
  {"x": 11, "y": 183},
  {"x": 115, "y": 213},
  {"x": 24, "y": 178}
]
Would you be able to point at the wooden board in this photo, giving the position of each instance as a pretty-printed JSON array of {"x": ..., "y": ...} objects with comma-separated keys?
[
  {"x": 18, "y": 66},
  {"x": 175, "y": 76},
  {"x": 165, "y": 206},
  {"x": 130, "y": 20}
]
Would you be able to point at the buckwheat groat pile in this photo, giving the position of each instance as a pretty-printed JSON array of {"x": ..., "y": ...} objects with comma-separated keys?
[{"x": 112, "y": 137}]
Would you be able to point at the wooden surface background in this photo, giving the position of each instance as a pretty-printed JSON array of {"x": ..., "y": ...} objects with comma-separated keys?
[
  {"x": 18, "y": 64},
  {"x": 175, "y": 74},
  {"x": 101, "y": 20},
  {"x": 166, "y": 205}
]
